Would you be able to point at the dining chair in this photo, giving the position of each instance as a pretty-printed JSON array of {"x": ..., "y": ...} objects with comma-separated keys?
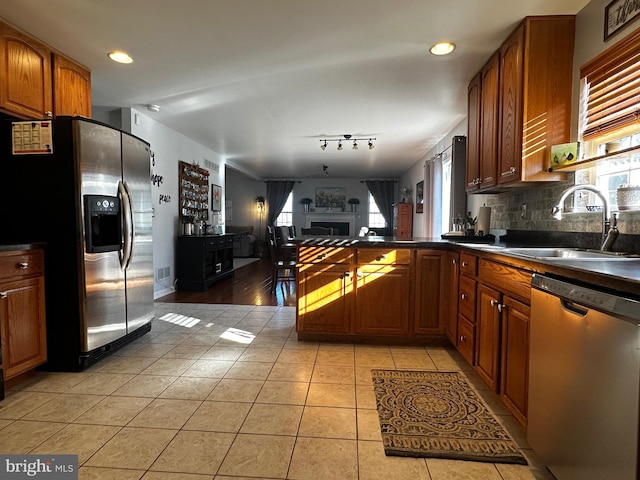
[{"x": 283, "y": 266}]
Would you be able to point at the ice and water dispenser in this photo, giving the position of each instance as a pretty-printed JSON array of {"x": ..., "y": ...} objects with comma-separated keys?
[{"x": 102, "y": 223}]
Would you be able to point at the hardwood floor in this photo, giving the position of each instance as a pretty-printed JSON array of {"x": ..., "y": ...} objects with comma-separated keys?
[{"x": 250, "y": 285}]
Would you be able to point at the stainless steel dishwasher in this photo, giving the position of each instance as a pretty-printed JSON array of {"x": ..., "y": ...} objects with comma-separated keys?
[{"x": 584, "y": 379}]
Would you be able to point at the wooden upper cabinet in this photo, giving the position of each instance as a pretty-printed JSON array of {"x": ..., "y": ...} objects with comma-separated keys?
[
  {"x": 536, "y": 72},
  {"x": 25, "y": 83},
  {"x": 473, "y": 134},
  {"x": 71, "y": 87},
  {"x": 489, "y": 119},
  {"x": 511, "y": 106}
]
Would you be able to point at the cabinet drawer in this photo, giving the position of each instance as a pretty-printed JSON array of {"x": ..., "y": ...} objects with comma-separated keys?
[
  {"x": 508, "y": 279},
  {"x": 466, "y": 339},
  {"x": 325, "y": 255},
  {"x": 384, "y": 256},
  {"x": 24, "y": 263},
  {"x": 467, "y": 298},
  {"x": 468, "y": 264}
]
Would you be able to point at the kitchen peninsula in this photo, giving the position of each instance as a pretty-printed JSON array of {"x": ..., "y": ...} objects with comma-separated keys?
[{"x": 425, "y": 291}]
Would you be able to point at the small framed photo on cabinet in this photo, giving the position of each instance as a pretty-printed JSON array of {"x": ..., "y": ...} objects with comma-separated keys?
[{"x": 216, "y": 198}]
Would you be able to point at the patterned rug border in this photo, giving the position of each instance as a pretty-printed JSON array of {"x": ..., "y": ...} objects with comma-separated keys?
[{"x": 440, "y": 437}]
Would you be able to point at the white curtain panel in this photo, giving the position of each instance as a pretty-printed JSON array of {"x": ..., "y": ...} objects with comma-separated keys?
[{"x": 433, "y": 197}]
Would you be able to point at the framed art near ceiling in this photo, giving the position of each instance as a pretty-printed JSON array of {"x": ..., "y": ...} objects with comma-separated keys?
[
  {"x": 419, "y": 197},
  {"x": 216, "y": 198},
  {"x": 618, "y": 14}
]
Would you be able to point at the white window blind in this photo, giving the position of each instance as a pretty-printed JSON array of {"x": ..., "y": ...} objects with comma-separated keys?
[{"x": 612, "y": 81}]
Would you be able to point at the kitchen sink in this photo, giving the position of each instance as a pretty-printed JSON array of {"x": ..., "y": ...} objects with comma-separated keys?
[{"x": 552, "y": 253}]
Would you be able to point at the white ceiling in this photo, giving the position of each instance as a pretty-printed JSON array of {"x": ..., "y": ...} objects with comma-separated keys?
[{"x": 262, "y": 81}]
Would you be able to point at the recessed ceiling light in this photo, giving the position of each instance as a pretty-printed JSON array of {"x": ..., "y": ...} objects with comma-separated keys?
[
  {"x": 120, "y": 57},
  {"x": 442, "y": 48}
]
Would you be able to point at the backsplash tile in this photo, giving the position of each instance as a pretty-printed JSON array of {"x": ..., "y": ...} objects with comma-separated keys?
[{"x": 506, "y": 207}]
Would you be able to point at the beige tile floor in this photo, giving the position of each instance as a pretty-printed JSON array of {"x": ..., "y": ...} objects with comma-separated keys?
[{"x": 227, "y": 392}]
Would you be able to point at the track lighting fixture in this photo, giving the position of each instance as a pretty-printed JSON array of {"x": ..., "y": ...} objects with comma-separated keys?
[{"x": 323, "y": 142}]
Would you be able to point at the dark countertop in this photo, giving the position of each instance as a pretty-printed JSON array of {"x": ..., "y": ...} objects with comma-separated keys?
[
  {"x": 21, "y": 246},
  {"x": 614, "y": 274}
]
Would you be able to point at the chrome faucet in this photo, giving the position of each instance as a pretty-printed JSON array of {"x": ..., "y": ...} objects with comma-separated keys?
[{"x": 609, "y": 231}]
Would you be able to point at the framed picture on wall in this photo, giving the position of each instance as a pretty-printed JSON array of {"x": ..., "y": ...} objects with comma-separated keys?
[
  {"x": 216, "y": 198},
  {"x": 419, "y": 196}
]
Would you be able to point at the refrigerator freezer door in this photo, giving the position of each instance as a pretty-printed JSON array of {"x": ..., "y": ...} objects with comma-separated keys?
[
  {"x": 103, "y": 311},
  {"x": 139, "y": 273}
]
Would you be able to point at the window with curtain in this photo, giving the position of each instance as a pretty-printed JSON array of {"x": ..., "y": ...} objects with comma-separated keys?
[
  {"x": 376, "y": 219},
  {"x": 286, "y": 215},
  {"x": 609, "y": 118}
]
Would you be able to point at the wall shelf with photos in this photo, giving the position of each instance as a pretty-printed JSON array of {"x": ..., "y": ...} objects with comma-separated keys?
[
  {"x": 626, "y": 154},
  {"x": 194, "y": 191}
]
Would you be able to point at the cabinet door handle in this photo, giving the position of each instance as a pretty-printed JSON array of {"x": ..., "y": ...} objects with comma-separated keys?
[
  {"x": 511, "y": 171},
  {"x": 453, "y": 261},
  {"x": 3, "y": 295},
  {"x": 322, "y": 256},
  {"x": 463, "y": 339},
  {"x": 23, "y": 265},
  {"x": 381, "y": 257},
  {"x": 494, "y": 303},
  {"x": 501, "y": 307},
  {"x": 48, "y": 114},
  {"x": 463, "y": 296},
  {"x": 465, "y": 264}
]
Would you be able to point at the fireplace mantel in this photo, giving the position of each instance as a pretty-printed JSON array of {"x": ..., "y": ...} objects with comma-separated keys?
[{"x": 332, "y": 217}]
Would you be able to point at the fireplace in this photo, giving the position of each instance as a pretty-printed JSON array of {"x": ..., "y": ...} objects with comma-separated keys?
[
  {"x": 344, "y": 222},
  {"x": 339, "y": 228}
]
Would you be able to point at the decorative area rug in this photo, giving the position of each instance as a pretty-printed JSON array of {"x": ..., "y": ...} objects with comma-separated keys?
[{"x": 437, "y": 414}]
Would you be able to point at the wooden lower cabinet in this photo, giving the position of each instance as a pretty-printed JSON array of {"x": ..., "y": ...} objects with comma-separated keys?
[
  {"x": 325, "y": 298},
  {"x": 488, "y": 336},
  {"x": 466, "y": 339},
  {"x": 514, "y": 370},
  {"x": 382, "y": 306},
  {"x": 22, "y": 312},
  {"x": 502, "y": 347},
  {"x": 452, "y": 273},
  {"x": 431, "y": 292},
  {"x": 377, "y": 292}
]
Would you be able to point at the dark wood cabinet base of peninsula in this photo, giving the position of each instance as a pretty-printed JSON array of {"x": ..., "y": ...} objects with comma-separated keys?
[{"x": 202, "y": 260}]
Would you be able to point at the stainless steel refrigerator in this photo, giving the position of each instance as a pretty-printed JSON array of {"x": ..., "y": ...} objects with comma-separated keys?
[{"x": 84, "y": 189}]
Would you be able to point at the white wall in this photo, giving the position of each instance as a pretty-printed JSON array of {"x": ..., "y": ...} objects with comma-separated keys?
[
  {"x": 168, "y": 147},
  {"x": 242, "y": 192},
  {"x": 416, "y": 174}
]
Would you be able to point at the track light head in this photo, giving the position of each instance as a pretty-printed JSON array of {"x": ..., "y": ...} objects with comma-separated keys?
[{"x": 346, "y": 138}]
